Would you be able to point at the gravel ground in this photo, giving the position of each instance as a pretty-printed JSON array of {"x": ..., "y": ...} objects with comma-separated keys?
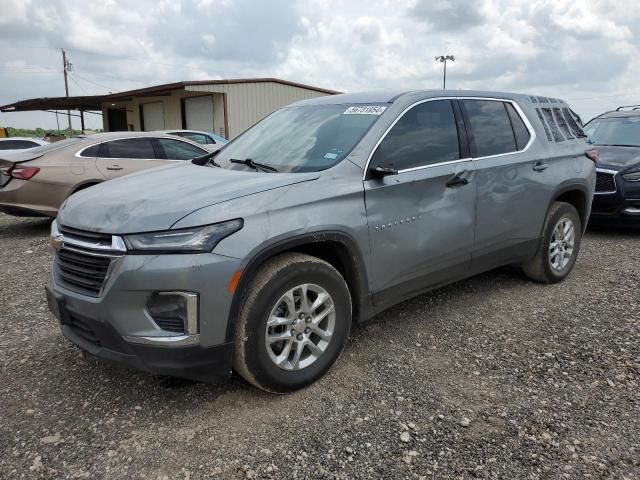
[{"x": 493, "y": 377}]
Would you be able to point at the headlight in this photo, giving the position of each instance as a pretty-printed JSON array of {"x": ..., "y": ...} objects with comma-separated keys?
[
  {"x": 186, "y": 240},
  {"x": 632, "y": 177}
]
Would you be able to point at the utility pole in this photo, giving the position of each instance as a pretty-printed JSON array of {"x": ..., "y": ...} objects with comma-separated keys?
[
  {"x": 443, "y": 59},
  {"x": 66, "y": 66}
]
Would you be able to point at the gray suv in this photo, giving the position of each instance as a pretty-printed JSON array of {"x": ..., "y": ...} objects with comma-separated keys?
[{"x": 259, "y": 257}]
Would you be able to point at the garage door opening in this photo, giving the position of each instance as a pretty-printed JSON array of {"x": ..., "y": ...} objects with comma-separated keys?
[
  {"x": 117, "y": 120},
  {"x": 197, "y": 113}
]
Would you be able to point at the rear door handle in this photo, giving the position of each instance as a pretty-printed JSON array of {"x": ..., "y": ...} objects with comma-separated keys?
[
  {"x": 540, "y": 166},
  {"x": 457, "y": 181},
  {"x": 115, "y": 167}
]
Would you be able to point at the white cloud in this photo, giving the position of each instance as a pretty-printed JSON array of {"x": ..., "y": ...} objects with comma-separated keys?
[{"x": 586, "y": 51}]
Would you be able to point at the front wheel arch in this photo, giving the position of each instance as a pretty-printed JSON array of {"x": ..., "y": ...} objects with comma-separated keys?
[{"x": 335, "y": 247}]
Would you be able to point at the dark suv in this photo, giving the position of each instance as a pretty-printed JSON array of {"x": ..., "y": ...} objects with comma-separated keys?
[{"x": 616, "y": 137}]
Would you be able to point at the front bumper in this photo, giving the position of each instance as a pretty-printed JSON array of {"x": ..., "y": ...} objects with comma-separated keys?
[
  {"x": 116, "y": 326},
  {"x": 616, "y": 210}
]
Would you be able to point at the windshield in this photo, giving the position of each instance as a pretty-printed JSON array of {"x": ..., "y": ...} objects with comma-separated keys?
[
  {"x": 619, "y": 131},
  {"x": 302, "y": 139}
]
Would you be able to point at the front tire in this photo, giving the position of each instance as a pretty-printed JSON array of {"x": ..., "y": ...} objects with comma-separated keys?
[
  {"x": 293, "y": 324},
  {"x": 559, "y": 247}
]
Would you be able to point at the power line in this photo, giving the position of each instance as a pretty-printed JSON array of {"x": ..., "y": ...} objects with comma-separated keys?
[
  {"x": 78, "y": 85},
  {"x": 95, "y": 83}
]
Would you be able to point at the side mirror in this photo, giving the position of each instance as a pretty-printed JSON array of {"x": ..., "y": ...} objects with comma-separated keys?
[{"x": 379, "y": 171}]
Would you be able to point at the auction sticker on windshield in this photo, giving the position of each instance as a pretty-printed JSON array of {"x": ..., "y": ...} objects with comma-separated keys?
[{"x": 365, "y": 110}]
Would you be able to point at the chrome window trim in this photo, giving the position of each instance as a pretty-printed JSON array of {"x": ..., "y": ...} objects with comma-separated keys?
[
  {"x": 78, "y": 154},
  {"x": 515, "y": 105},
  {"x": 613, "y": 173}
]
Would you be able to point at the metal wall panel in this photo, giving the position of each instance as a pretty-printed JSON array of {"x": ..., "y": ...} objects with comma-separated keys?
[{"x": 247, "y": 103}]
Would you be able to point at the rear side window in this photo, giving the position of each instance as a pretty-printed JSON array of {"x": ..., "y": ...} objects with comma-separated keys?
[
  {"x": 424, "y": 135},
  {"x": 17, "y": 144},
  {"x": 519, "y": 128},
  {"x": 91, "y": 151},
  {"x": 177, "y": 150},
  {"x": 128, "y": 148},
  {"x": 492, "y": 132}
]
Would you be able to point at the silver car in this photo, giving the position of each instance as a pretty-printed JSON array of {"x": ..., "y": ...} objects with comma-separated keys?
[{"x": 260, "y": 257}]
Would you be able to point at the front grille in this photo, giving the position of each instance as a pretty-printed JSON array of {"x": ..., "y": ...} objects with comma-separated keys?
[
  {"x": 81, "y": 272},
  {"x": 83, "y": 329},
  {"x": 605, "y": 182},
  {"x": 102, "y": 239}
]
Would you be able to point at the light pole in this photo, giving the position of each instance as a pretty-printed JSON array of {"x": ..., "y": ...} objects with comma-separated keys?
[{"x": 443, "y": 59}]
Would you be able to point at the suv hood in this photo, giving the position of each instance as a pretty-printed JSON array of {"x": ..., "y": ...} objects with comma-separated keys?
[
  {"x": 618, "y": 158},
  {"x": 155, "y": 200}
]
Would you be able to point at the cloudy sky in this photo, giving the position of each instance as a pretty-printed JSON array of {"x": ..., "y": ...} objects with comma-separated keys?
[{"x": 584, "y": 51}]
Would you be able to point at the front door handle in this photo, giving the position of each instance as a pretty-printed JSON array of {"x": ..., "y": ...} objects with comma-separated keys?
[
  {"x": 457, "y": 181},
  {"x": 540, "y": 166},
  {"x": 115, "y": 167}
]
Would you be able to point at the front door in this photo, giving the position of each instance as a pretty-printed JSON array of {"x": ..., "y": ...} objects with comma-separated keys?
[{"x": 421, "y": 221}]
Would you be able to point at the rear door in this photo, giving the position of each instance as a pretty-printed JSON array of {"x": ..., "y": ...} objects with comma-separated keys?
[
  {"x": 127, "y": 155},
  {"x": 513, "y": 187},
  {"x": 421, "y": 221}
]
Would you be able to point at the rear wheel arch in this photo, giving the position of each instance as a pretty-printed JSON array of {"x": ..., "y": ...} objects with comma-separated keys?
[
  {"x": 336, "y": 248},
  {"x": 82, "y": 186},
  {"x": 578, "y": 197}
]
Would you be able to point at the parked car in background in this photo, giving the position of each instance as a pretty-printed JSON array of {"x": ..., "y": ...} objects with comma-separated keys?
[
  {"x": 616, "y": 137},
  {"x": 327, "y": 211},
  {"x": 204, "y": 138},
  {"x": 35, "y": 182},
  {"x": 13, "y": 144}
]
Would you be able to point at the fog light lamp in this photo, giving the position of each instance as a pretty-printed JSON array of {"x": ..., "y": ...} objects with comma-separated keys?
[{"x": 175, "y": 311}]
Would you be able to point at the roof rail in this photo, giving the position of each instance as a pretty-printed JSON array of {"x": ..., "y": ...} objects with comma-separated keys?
[{"x": 632, "y": 107}]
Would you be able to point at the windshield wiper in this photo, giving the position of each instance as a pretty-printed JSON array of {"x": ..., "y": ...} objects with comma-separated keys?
[
  {"x": 206, "y": 159},
  {"x": 255, "y": 165}
]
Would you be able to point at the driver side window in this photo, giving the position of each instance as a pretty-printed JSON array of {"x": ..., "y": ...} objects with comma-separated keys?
[{"x": 425, "y": 135}]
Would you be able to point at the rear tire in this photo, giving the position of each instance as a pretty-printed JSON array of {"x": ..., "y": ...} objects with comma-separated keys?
[
  {"x": 307, "y": 304},
  {"x": 558, "y": 250}
]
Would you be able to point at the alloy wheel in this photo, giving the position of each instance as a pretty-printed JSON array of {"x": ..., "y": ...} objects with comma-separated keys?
[
  {"x": 300, "y": 327},
  {"x": 562, "y": 244}
]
